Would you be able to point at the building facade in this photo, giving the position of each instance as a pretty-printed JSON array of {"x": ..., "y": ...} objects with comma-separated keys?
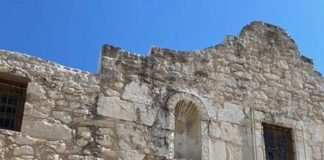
[{"x": 253, "y": 97}]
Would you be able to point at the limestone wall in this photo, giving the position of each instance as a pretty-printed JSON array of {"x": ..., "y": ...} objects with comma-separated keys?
[
  {"x": 58, "y": 113},
  {"x": 128, "y": 110},
  {"x": 256, "y": 77}
]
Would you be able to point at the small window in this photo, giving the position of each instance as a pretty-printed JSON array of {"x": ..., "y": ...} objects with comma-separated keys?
[
  {"x": 278, "y": 143},
  {"x": 12, "y": 99}
]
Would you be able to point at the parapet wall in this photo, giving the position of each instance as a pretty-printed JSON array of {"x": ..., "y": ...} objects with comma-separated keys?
[
  {"x": 128, "y": 110},
  {"x": 262, "y": 61}
]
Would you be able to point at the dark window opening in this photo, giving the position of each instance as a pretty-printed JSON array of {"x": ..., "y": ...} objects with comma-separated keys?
[
  {"x": 12, "y": 99},
  {"x": 278, "y": 142}
]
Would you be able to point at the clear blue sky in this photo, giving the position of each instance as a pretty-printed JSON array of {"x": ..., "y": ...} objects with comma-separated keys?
[{"x": 71, "y": 32}]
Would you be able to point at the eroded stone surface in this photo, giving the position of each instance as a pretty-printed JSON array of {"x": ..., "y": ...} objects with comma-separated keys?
[
  {"x": 137, "y": 92},
  {"x": 23, "y": 150},
  {"x": 217, "y": 149},
  {"x": 114, "y": 107},
  {"x": 45, "y": 130},
  {"x": 64, "y": 117}
]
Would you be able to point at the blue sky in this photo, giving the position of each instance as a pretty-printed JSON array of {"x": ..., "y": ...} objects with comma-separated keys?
[{"x": 71, "y": 32}]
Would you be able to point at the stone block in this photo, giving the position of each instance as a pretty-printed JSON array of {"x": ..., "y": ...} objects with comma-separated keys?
[
  {"x": 234, "y": 152},
  {"x": 62, "y": 116},
  {"x": 114, "y": 107},
  {"x": 23, "y": 150},
  {"x": 46, "y": 130},
  {"x": 132, "y": 155},
  {"x": 107, "y": 137},
  {"x": 231, "y": 113},
  {"x": 35, "y": 91},
  {"x": 217, "y": 150},
  {"x": 137, "y": 92},
  {"x": 232, "y": 133},
  {"x": 215, "y": 130},
  {"x": 23, "y": 139},
  {"x": 132, "y": 136},
  {"x": 145, "y": 114},
  {"x": 108, "y": 153}
]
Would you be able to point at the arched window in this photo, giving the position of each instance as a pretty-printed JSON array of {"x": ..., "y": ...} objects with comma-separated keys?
[{"x": 187, "y": 140}]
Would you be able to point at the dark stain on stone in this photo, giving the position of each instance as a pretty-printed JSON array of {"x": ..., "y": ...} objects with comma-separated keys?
[
  {"x": 307, "y": 60},
  {"x": 201, "y": 74}
]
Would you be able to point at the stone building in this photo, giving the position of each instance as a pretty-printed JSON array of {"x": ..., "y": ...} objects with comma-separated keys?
[{"x": 253, "y": 97}]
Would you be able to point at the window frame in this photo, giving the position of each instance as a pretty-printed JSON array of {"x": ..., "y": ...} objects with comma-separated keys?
[
  {"x": 15, "y": 87},
  {"x": 279, "y": 130}
]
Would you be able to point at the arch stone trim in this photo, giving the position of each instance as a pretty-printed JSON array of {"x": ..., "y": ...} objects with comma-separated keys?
[{"x": 176, "y": 97}]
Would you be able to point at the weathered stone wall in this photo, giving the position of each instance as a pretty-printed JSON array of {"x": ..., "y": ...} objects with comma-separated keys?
[
  {"x": 58, "y": 114},
  {"x": 127, "y": 111}
]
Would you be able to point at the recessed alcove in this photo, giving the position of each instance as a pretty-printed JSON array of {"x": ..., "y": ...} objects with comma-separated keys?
[{"x": 187, "y": 140}]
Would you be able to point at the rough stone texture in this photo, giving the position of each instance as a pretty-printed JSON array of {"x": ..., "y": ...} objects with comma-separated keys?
[
  {"x": 23, "y": 150},
  {"x": 127, "y": 110},
  {"x": 114, "y": 107},
  {"x": 46, "y": 130},
  {"x": 219, "y": 149}
]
